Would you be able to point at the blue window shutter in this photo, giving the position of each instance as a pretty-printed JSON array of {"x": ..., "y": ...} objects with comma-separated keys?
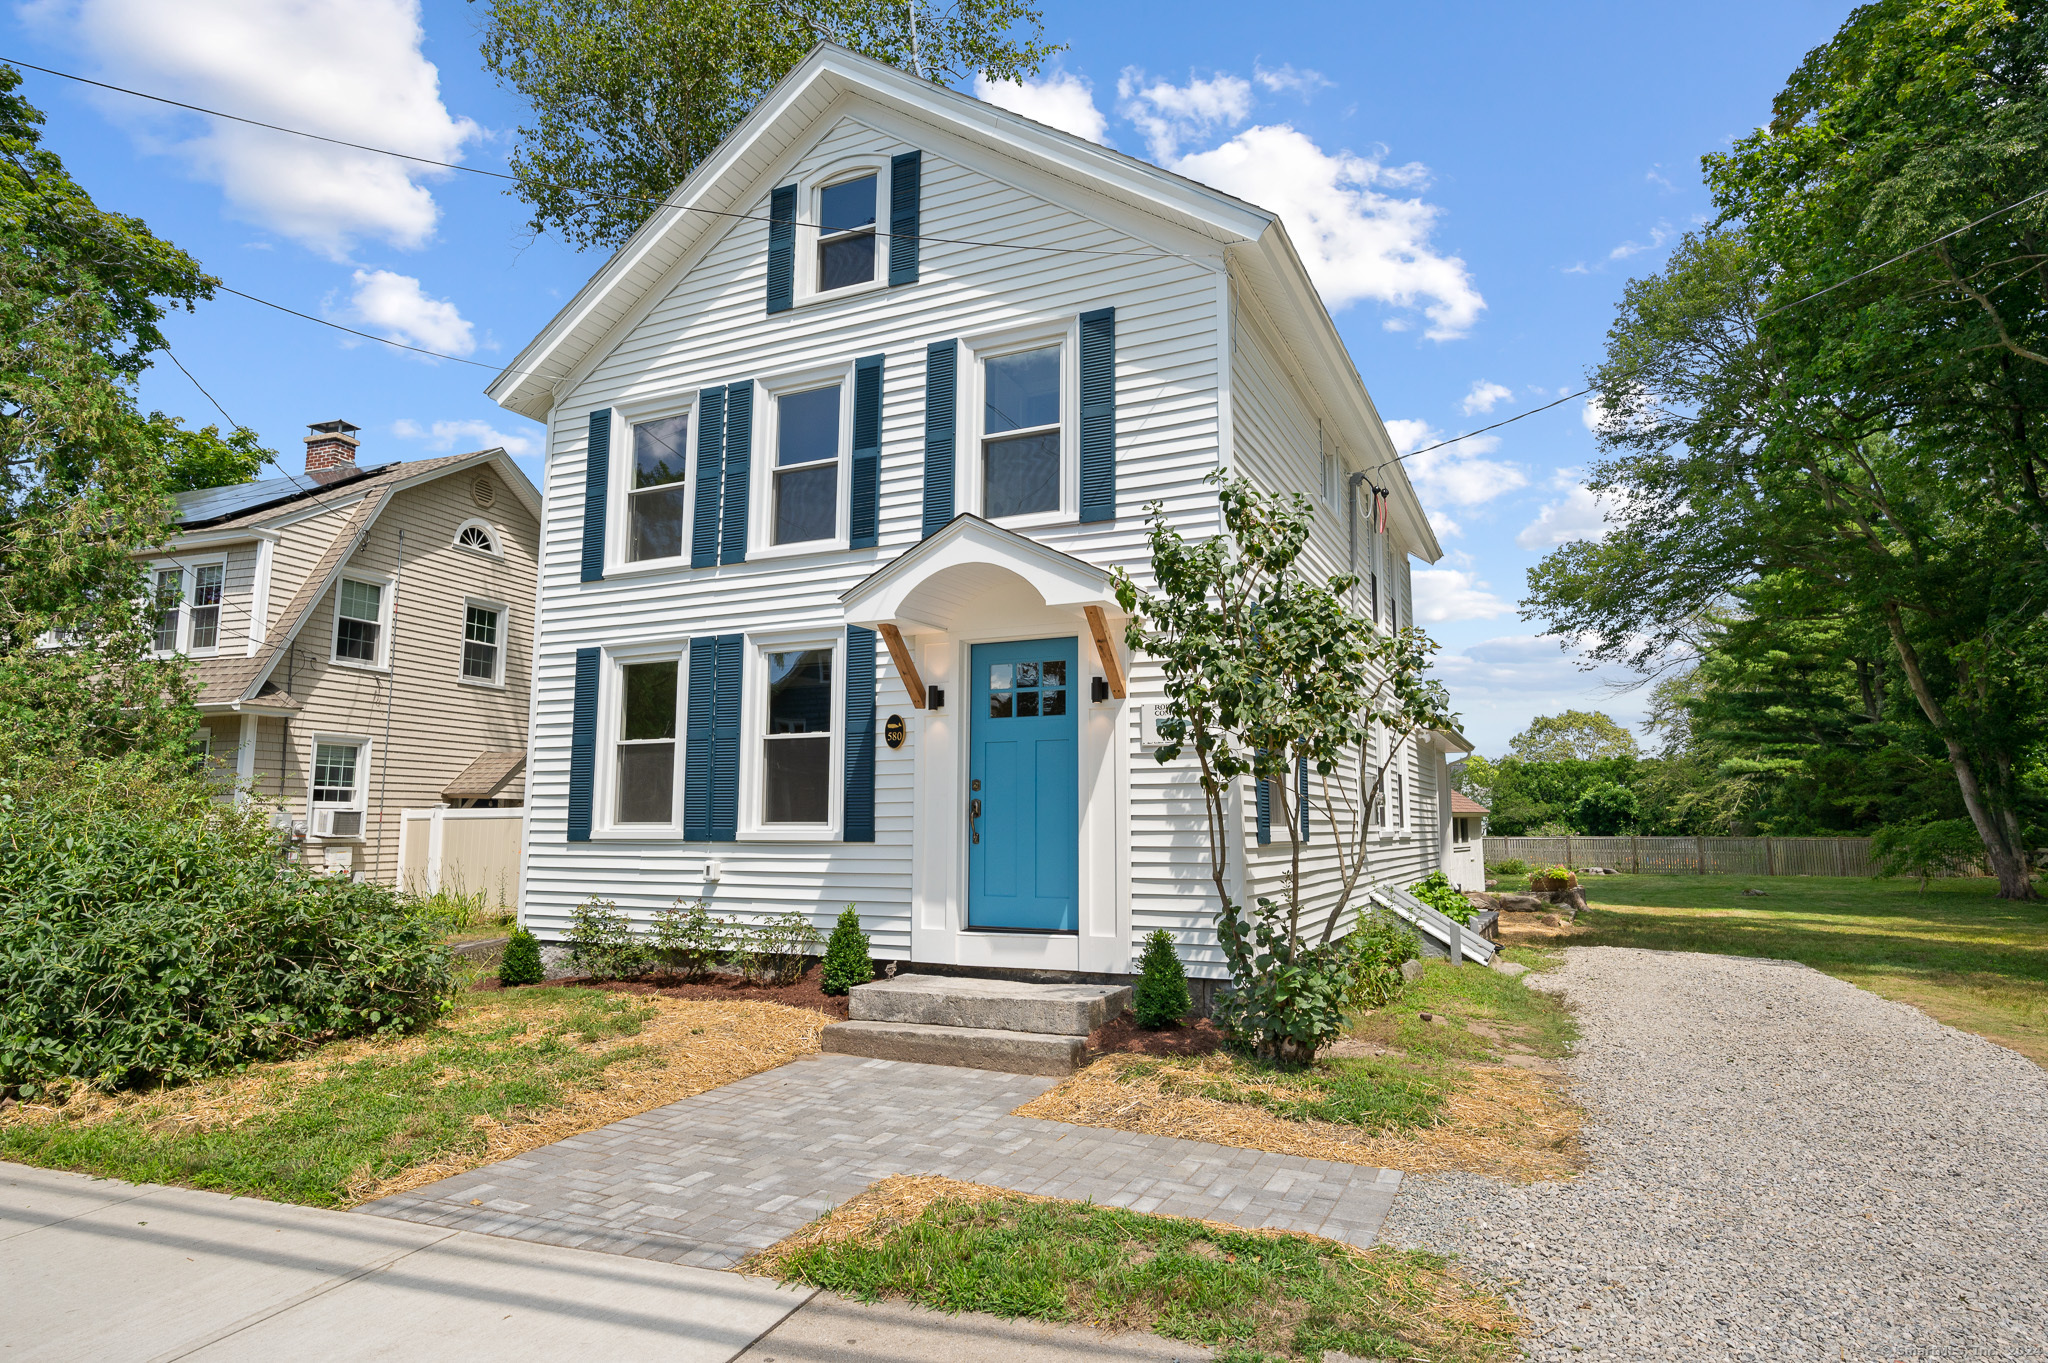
[
  {"x": 710, "y": 469},
  {"x": 597, "y": 478},
  {"x": 858, "y": 805},
  {"x": 1265, "y": 803},
  {"x": 1301, "y": 793},
  {"x": 724, "y": 817},
  {"x": 864, "y": 515},
  {"x": 739, "y": 471},
  {"x": 583, "y": 744},
  {"x": 1098, "y": 415},
  {"x": 906, "y": 174},
  {"x": 782, "y": 249},
  {"x": 697, "y": 740},
  {"x": 941, "y": 401}
]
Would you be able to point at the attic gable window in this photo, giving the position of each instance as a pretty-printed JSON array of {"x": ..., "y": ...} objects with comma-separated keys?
[
  {"x": 846, "y": 233},
  {"x": 478, "y": 537}
]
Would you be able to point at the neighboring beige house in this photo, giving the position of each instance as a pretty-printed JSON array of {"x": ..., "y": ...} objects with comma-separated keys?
[{"x": 363, "y": 638}]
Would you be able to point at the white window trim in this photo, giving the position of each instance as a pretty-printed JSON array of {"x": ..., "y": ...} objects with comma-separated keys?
[
  {"x": 504, "y": 611},
  {"x": 611, "y": 723},
  {"x": 497, "y": 549},
  {"x": 619, "y": 520},
  {"x": 809, "y": 214},
  {"x": 386, "y": 601},
  {"x": 1064, "y": 332},
  {"x": 188, "y": 580},
  {"x": 761, "y": 463},
  {"x": 361, "y": 804},
  {"x": 753, "y": 727}
]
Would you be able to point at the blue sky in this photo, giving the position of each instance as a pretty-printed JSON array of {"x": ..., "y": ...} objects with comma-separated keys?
[{"x": 1472, "y": 185}]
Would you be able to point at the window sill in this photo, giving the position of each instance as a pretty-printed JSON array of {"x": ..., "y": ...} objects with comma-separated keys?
[
  {"x": 1036, "y": 520},
  {"x": 765, "y": 552},
  {"x": 354, "y": 666},
  {"x": 794, "y": 833},
  {"x": 646, "y": 567},
  {"x": 879, "y": 284},
  {"x": 480, "y": 684}
]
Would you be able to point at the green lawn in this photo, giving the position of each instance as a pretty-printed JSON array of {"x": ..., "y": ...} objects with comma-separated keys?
[
  {"x": 1249, "y": 1296},
  {"x": 1956, "y": 951}
]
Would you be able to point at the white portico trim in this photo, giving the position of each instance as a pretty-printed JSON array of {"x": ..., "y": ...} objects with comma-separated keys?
[{"x": 976, "y": 582}]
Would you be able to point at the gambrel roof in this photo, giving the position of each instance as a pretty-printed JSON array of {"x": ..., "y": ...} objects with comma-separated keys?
[{"x": 1176, "y": 215}]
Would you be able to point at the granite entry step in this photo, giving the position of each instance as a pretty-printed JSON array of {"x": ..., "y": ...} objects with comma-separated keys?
[{"x": 1005, "y": 1025}]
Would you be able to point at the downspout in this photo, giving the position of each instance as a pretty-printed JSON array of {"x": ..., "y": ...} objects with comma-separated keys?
[{"x": 390, "y": 689}]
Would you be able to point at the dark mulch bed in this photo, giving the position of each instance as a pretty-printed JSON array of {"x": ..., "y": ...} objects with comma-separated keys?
[
  {"x": 805, "y": 993},
  {"x": 1124, "y": 1036}
]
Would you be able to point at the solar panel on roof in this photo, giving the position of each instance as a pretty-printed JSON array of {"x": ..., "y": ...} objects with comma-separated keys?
[{"x": 237, "y": 499}]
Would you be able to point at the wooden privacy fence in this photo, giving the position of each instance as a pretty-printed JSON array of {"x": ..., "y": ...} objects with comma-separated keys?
[
  {"x": 462, "y": 851},
  {"x": 1700, "y": 856}
]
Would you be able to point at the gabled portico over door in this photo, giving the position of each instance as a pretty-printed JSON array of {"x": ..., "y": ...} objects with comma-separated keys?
[{"x": 1049, "y": 888}]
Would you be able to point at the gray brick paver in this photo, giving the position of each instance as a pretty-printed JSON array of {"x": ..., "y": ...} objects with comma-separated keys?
[{"x": 707, "y": 1180}]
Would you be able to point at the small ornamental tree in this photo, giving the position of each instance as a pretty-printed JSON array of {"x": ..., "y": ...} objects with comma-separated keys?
[
  {"x": 1161, "y": 998},
  {"x": 521, "y": 963},
  {"x": 1273, "y": 677},
  {"x": 847, "y": 962}
]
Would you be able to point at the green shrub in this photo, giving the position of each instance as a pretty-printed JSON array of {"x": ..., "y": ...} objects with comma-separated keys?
[
  {"x": 1945, "y": 847},
  {"x": 450, "y": 911},
  {"x": 150, "y": 932},
  {"x": 847, "y": 962},
  {"x": 775, "y": 952},
  {"x": 1436, "y": 890},
  {"x": 1559, "y": 872},
  {"x": 602, "y": 941},
  {"x": 521, "y": 964},
  {"x": 688, "y": 940},
  {"x": 1161, "y": 998},
  {"x": 1379, "y": 947},
  {"x": 1513, "y": 866}
]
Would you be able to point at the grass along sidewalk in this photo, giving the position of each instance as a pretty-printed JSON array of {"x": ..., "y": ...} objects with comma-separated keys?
[
  {"x": 1955, "y": 951},
  {"x": 1249, "y": 1294},
  {"x": 1474, "y": 1087},
  {"x": 508, "y": 1070}
]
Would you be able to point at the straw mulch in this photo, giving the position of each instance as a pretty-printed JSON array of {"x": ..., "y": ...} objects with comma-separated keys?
[
  {"x": 1508, "y": 1123},
  {"x": 683, "y": 1048}
]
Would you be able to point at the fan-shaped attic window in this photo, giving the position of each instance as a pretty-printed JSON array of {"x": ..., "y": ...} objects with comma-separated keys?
[{"x": 477, "y": 535}]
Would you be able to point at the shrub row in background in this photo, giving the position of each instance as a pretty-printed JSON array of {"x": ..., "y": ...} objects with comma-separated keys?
[{"x": 149, "y": 932}]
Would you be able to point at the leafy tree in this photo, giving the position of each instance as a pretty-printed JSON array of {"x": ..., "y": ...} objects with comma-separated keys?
[
  {"x": 205, "y": 457},
  {"x": 630, "y": 96},
  {"x": 1584, "y": 734},
  {"x": 1272, "y": 677},
  {"x": 82, "y": 476},
  {"x": 1607, "y": 810},
  {"x": 1475, "y": 776}
]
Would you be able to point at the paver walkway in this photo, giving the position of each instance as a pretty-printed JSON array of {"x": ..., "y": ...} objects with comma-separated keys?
[{"x": 708, "y": 1180}]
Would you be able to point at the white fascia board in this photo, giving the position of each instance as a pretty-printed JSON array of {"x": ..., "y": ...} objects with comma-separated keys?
[
  {"x": 221, "y": 539},
  {"x": 720, "y": 189}
]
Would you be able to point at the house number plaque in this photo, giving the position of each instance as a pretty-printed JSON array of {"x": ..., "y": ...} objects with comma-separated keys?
[{"x": 893, "y": 731}]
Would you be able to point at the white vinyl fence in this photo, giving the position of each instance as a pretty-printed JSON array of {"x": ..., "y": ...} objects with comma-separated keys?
[
  {"x": 1698, "y": 856},
  {"x": 462, "y": 851}
]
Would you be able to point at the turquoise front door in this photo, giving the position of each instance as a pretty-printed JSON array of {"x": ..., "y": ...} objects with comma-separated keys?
[{"x": 1023, "y": 788}]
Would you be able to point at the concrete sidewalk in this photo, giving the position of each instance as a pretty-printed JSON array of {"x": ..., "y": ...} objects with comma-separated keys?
[{"x": 94, "y": 1269}]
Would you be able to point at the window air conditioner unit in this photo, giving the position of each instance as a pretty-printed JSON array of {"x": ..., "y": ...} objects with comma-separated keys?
[{"x": 339, "y": 823}]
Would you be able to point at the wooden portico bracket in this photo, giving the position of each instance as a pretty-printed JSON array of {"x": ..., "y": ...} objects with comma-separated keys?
[
  {"x": 1098, "y": 625},
  {"x": 905, "y": 667}
]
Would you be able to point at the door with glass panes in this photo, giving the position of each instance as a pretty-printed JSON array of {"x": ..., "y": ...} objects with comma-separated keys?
[{"x": 1024, "y": 778}]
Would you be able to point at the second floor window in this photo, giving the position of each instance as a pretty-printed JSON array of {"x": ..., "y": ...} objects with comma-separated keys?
[
  {"x": 207, "y": 579},
  {"x": 658, "y": 488},
  {"x": 1021, "y": 433},
  {"x": 170, "y": 586},
  {"x": 480, "y": 644},
  {"x": 807, "y": 466},
  {"x": 846, "y": 233},
  {"x": 358, "y": 621}
]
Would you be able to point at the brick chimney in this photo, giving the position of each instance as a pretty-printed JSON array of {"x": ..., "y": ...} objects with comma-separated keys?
[{"x": 331, "y": 449}]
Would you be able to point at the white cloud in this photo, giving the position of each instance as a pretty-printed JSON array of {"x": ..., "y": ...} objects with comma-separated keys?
[
  {"x": 1168, "y": 114},
  {"x": 1485, "y": 396},
  {"x": 1659, "y": 234},
  {"x": 470, "y": 435},
  {"x": 1443, "y": 595},
  {"x": 1409, "y": 434},
  {"x": 1455, "y": 475},
  {"x": 1357, "y": 241},
  {"x": 1577, "y": 516},
  {"x": 395, "y": 305},
  {"x": 1060, "y": 100},
  {"x": 1593, "y": 415},
  {"x": 1286, "y": 77},
  {"x": 351, "y": 69}
]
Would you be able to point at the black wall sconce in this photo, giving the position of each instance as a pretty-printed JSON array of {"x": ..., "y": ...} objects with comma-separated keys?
[
  {"x": 1098, "y": 690},
  {"x": 935, "y": 697}
]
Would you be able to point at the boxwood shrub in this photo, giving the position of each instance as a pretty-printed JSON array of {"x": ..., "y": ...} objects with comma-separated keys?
[{"x": 151, "y": 932}]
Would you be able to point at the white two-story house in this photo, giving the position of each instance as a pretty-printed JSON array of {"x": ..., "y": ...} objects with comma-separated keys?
[{"x": 843, "y": 445}]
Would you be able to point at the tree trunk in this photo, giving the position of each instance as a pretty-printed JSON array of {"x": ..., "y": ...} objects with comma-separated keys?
[{"x": 2002, "y": 847}]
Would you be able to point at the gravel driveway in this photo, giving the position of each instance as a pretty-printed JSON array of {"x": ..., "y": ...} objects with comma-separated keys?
[{"x": 1783, "y": 1167}]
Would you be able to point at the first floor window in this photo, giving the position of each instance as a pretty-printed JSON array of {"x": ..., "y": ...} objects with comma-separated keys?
[
  {"x": 796, "y": 756},
  {"x": 807, "y": 465},
  {"x": 480, "y": 644},
  {"x": 170, "y": 586},
  {"x": 358, "y": 620},
  {"x": 647, "y": 743},
  {"x": 1400, "y": 803},
  {"x": 656, "y": 499},
  {"x": 1020, "y": 449},
  {"x": 207, "y": 580},
  {"x": 337, "y": 808}
]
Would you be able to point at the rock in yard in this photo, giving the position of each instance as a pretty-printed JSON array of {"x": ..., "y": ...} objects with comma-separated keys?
[
  {"x": 1411, "y": 971},
  {"x": 1754, "y": 894},
  {"x": 1520, "y": 903},
  {"x": 1509, "y": 968},
  {"x": 1551, "y": 920}
]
